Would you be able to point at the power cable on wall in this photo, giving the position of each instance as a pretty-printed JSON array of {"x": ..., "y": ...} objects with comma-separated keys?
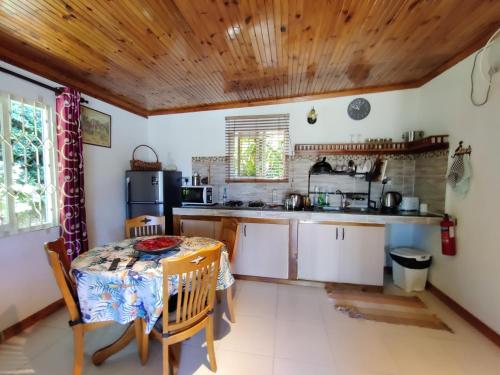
[
  {"x": 491, "y": 71},
  {"x": 478, "y": 104}
]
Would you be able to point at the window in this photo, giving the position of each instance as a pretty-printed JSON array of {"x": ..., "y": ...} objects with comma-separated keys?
[
  {"x": 27, "y": 166},
  {"x": 257, "y": 148}
]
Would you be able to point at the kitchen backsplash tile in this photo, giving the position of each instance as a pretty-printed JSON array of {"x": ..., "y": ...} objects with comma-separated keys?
[{"x": 422, "y": 175}]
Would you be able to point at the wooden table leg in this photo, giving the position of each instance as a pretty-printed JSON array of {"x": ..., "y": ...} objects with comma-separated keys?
[{"x": 104, "y": 353}]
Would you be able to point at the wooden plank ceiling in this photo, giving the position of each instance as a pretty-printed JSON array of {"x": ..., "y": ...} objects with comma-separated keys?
[{"x": 165, "y": 56}]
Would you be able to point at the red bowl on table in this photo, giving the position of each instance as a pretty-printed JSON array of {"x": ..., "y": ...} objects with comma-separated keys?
[{"x": 157, "y": 245}]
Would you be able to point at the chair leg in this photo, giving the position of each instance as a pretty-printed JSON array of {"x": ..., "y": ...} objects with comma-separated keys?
[
  {"x": 230, "y": 304},
  {"x": 166, "y": 358},
  {"x": 77, "y": 349},
  {"x": 209, "y": 334},
  {"x": 175, "y": 356},
  {"x": 218, "y": 296}
]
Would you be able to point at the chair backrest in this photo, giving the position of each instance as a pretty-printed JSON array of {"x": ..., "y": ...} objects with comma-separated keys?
[
  {"x": 229, "y": 235},
  {"x": 144, "y": 225},
  {"x": 196, "y": 276},
  {"x": 58, "y": 260},
  {"x": 59, "y": 247}
]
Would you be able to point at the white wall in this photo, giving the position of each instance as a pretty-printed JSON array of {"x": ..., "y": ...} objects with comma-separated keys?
[
  {"x": 105, "y": 173},
  {"x": 178, "y": 137},
  {"x": 26, "y": 281},
  {"x": 472, "y": 277}
]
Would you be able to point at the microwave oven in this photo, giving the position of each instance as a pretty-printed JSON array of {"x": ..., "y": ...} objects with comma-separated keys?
[{"x": 198, "y": 195}]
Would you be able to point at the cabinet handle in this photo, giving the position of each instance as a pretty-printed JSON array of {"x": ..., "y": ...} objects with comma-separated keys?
[
  {"x": 337, "y": 233},
  {"x": 245, "y": 230},
  {"x": 182, "y": 227},
  {"x": 343, "y": 234}
]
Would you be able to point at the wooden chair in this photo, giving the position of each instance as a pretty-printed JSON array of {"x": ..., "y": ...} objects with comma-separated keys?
[
  {"x": 197, "y": 275},
  {"x": 229, "y": 235},
  {"x": 144, "y": 225},
  {"x": 58, "y": 259}
]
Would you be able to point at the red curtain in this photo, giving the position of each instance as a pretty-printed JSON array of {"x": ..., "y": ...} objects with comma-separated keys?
[{"x": 70, "y": 173}]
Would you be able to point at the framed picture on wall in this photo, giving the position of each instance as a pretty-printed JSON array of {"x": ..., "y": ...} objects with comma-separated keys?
[{"x": 96, "y": 127}]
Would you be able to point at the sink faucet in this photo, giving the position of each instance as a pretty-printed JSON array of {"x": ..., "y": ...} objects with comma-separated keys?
[{"x": 343, "y": 199}]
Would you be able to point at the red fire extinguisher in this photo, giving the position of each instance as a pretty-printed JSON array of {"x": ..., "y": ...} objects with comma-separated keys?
[{"x": 448, "y": 246}]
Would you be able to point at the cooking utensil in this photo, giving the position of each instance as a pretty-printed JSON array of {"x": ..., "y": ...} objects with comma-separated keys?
[
  {"x": 321, "y": 167},
  {"x": 391, "y": 200},
  {"x": 296, "y": 201},
  {"x": 351, "y": 167},
  {"x": 375, "y": 170},
  {"x": 196, "y": 179}
]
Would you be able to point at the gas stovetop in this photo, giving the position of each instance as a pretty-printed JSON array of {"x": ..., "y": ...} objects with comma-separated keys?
[
  {"x": 256, "y": 204},
  {"x": 233, "y": 204},
  {"x": 251, "y": 204}
]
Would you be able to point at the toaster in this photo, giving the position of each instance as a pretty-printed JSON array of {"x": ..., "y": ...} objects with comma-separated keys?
[{"x": 409, "y": 204}]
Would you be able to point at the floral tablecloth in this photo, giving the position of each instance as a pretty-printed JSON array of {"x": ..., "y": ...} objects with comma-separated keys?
[{"x": 126, "y": 294}]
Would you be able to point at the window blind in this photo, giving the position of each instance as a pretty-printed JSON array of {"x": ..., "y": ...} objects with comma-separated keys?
[{"x": 257, "y": 148}]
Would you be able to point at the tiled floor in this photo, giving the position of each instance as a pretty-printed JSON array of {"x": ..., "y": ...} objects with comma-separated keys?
[{"x": 280, "y": 330}]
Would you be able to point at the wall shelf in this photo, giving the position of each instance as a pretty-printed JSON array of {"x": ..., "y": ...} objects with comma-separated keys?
[
  {"x": 340, "y": 173},
  {"x": 431, "y": 143}
]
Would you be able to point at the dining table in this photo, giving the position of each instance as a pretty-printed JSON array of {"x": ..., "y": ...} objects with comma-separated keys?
[{"x": 132, "y": 294}]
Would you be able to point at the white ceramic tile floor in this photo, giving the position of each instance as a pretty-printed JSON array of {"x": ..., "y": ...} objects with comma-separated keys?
[{"x": 280, "y": 330}]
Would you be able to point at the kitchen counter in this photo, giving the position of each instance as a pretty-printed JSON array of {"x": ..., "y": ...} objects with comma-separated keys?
[{"x": 355, "y": 215}]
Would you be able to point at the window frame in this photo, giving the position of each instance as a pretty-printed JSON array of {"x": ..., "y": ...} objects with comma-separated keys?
[
  {"x": 50, "y": 161},
  {"x": 277, "y": 123}
]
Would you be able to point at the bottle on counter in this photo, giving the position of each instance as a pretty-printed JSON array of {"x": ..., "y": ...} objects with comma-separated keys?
[
  {"x": 321, "y": 199},
  {"x": 224, "y": 195},
  {"x": 315, "y": 196}
]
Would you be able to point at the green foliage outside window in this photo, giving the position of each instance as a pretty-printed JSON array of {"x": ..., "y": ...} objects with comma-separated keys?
[
  {"x": 28, "y": 175},
  {"x": 261, "y": 155}
]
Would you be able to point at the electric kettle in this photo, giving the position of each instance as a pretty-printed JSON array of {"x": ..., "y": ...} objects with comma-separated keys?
[{"x": 391, "y": 200}]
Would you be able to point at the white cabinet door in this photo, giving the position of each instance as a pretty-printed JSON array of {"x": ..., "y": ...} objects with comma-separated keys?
[
  {"x": 362, "y": 255},
  {"x": 197, "y": 228},
  {"x": 319, "y": 250},
  {"x": 263, "y": 250}
]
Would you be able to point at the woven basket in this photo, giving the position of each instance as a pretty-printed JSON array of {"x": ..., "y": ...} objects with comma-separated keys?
[{"x": 139, "y": 165}]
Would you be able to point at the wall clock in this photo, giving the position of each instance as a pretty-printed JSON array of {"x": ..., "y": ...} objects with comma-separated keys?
[{"x": 358, "y": 109}]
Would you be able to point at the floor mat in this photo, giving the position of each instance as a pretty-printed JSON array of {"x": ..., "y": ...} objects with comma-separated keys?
[{"x": 387, "y": 308}]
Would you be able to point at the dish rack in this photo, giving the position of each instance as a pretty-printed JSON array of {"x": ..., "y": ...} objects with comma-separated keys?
[{"x": 368, "y": 176}]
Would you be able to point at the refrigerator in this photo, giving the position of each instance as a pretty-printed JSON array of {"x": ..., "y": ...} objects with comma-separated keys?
[{"x": 153, "y": 193}]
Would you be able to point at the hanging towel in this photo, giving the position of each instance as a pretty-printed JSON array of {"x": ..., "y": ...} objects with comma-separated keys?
[
  {"x": 456, "y": 171},
  {"x": 462, "y": 186}
]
